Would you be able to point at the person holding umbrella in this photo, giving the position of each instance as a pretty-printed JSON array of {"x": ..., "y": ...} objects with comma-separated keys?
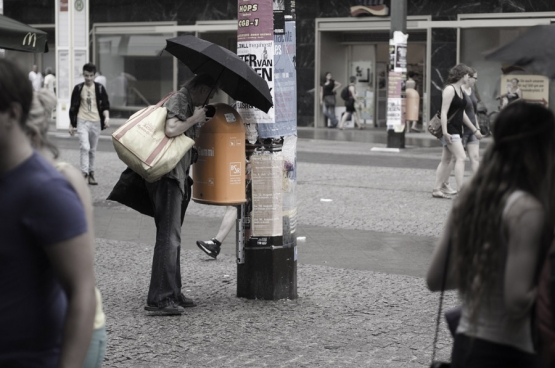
[{"x": 170, "y": 196}]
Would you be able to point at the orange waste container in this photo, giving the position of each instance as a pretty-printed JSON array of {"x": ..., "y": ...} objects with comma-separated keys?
[{"x": 219, "y": 173}]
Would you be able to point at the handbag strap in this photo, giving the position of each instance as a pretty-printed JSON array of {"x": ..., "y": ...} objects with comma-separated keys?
[
  {"x": 443, "y": 283},
  {"x": 143, "y": 115}
]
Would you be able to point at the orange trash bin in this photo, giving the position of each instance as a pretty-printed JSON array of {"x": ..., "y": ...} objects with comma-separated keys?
[{"x": 219, "y": 173}]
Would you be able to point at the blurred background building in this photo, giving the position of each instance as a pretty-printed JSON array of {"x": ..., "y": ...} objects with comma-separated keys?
[{"x": 126, "y": 37}]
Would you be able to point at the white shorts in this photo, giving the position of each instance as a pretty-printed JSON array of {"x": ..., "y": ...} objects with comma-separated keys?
[{"x": 454, "y": 138}]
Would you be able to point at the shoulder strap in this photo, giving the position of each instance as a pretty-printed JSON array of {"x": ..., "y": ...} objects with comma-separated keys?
[{"x": 443, "y": 283}]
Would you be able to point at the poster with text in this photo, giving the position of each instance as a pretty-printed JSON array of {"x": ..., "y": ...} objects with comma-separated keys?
[
  {"x": 255, "y": 20},
  {"x": 285, "y": 87},
  {"x": 394, "y": 101},
  {"x": 267, "y": 196},
  {"x": 533, "y": 88},
  {"x": 259, "y": 55}
]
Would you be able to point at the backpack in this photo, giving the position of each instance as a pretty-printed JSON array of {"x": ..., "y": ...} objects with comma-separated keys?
[{"x": 346, "y": 94}]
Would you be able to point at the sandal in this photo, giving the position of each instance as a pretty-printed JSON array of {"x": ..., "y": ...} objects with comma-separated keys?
[{"x": 437, "y": 193}]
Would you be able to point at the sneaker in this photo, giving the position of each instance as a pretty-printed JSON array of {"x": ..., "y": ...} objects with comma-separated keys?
[
  {"x": 446, "y": 188},
  {"x": 169, "y": 308},
  {"x": 210, "y": 247},
  {"x": 86, "y": 176},
  {"x": 92, "y": 181},
  {"x": 185, "y": 302},
  {"x": 438, "y": 193}
]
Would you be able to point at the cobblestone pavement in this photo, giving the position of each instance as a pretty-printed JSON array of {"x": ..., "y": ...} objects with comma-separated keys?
[{"x": 342, "y": 318}]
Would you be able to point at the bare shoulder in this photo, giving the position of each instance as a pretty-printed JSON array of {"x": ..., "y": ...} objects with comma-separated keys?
[
  {"x": 526, "y": 212},
  {"x": 448, "y": 91}
]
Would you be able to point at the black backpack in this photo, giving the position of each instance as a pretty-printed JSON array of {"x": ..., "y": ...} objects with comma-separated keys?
[{"x": 346, "y": 94}]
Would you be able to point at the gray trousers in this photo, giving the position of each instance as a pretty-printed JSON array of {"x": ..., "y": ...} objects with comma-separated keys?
[
  {"x": 88, "y": 133},
  {"x": 170, "y": 204}
]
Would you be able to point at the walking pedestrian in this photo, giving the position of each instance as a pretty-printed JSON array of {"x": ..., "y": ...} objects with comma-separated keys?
[
  {"x": 89, "y": 113},
  {"x": 213, "y": 246},
  {"x": 36, "y": 78},
  {"x": 327, "y": 99},
  {"x": 453, "y": 117},
  {"x": 50, "y": 80},
  {"x": 37, "y": 128},
  {"x": 350, "y": 109},
  {"x": 469, "y": 140},
  {"x": 170, "y": 196},
  {"x": 46, "y": 267},
  {"x": 495, "y": 240}
]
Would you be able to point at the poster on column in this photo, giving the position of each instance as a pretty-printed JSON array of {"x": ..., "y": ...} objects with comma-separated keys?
[
  {"x": 289, "y": 152},
  {"x": 394, "y": 103},
  {"x": 255, "y": 45},
  {"x": 267, "y": 197},
  {"x": 285, "y": 87}
]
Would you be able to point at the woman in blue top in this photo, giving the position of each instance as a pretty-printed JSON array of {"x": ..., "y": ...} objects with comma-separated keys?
[{"x": 453, "y": 122}]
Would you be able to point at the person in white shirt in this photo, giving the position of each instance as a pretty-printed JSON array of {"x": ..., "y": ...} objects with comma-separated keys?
[
  {"x": 36, "y": 78},
  {"x": 50, "y": 81},
  {"x": 99, "y": 78}
]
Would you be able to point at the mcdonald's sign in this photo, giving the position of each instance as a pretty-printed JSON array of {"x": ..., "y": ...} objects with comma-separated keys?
[{"x": 30, "y": 38}]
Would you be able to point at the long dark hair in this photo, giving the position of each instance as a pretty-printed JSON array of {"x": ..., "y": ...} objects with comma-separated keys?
[
  {"x": 456, "y": 73},
  {"x": 522, "y": 156}
]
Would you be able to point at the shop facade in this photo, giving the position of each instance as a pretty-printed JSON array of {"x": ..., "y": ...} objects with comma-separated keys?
[{"x": 126, "y": 38}]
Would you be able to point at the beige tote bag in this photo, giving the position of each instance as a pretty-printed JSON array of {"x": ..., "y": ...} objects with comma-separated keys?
[{"x": 141, "y": 143}]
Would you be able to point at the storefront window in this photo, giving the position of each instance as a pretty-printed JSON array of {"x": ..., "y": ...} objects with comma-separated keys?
[
  {"x": 496, "y": 77},
  {"x": 136, "y": 76}
]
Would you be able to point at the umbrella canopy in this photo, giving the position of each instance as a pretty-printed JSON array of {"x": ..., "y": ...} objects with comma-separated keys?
[
  {"x": 534, "y": 49},
  {"x": 17, "y": 36},
  {"x": 235, "y": 77}
]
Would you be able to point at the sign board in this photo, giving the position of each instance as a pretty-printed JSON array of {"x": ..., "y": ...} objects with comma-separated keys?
[{"x": 534, "y": 88}]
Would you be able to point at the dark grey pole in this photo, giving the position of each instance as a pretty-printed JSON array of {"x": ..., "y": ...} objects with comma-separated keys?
[{"x": 398, "y": 23}]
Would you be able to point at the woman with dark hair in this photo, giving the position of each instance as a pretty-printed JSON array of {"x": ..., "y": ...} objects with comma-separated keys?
[
  {"x": 37, "y": 128},
  {"x": 47, "y": 292},
  {"x": 327, "y": 98},
  {"x": 495, "y": 240},
  {"x": 453, "y": 118}
]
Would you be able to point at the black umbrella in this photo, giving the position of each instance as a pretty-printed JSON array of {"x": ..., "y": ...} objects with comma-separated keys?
[
  {"x": 235, "y": 77},
  {"x": 17, "y": 36},
  {"x": 534, "y": 49}
]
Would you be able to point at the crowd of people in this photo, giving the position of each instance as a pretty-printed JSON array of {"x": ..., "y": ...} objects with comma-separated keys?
[{"x": 496, "y": 248}]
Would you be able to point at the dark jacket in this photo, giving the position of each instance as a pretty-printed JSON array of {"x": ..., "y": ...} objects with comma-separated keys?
[{"x": 102, "y": 103}]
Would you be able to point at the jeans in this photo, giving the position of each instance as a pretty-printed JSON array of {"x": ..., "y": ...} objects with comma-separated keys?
[
  {"x": 88, "y": 132},
  {"x": 97, "y": 349},
  {"x": 169, "y": 204},
  {"x": 329, "y": 112}
]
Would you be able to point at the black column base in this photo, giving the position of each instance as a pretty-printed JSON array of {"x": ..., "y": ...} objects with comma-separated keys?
[
  {"x": 268, "y": 274},
  {"x": 396, "y": 140}
]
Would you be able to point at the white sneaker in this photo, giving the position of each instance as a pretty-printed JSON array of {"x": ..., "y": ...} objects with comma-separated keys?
[{"x": 446, "y": 188}]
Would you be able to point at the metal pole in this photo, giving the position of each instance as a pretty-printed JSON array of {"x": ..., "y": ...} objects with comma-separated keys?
[
  {"x": 396, "y": 139},
  {"x": 240, "y": 235}
]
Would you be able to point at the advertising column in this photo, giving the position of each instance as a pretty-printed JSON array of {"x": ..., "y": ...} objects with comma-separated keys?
[
  {"x": 266, "y": 42},
  {"x": 72, "y": 52},
  {"x": 396, "y": 90}
]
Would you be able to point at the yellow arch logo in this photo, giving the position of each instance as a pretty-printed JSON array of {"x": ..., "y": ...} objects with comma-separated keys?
[{"x": 30, "y": 38}]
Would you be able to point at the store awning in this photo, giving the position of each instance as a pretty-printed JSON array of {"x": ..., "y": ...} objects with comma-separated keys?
[{"x": 18, "y": 36}]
